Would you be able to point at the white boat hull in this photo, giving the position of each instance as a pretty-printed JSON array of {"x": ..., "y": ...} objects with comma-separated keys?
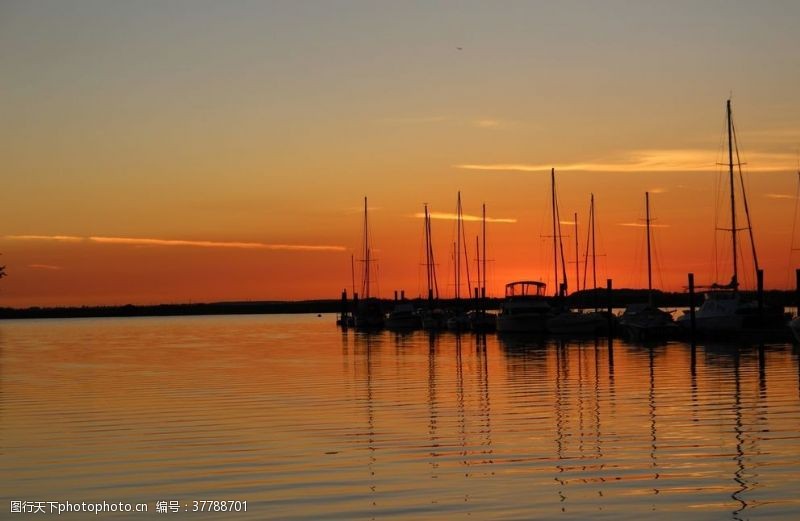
[{"x": 794, "y": 325}]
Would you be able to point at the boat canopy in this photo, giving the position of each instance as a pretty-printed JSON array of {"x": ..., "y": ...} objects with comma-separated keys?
[{"x": 525, "y": 288}]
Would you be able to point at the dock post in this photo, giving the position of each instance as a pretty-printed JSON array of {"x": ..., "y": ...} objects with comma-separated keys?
[
  {"x": 343, "y": 317},
  {"x": 692, "y": 318},
  {"x": 797, "y": 291},
  {"x": 402, "y": 294},
  {"x": 760, "y": 293},
  {"x": 610, "y": 306}
]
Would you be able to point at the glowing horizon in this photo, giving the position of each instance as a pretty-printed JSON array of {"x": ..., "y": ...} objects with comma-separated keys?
[{"x": 176, "y": 152}]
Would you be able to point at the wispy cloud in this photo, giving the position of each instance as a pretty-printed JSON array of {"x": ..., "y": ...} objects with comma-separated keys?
[
  {"x": 779, "y": 196},
  {"x": 141, "y": 241},
  {"x": 59, "y": 238},
  {"x": 412, "y": 120},
  {"x": 668, "y": 160},
  {"x": 488, "y": 123},
  {"x": 642, "y": 225},
  {"x": 50, "y": 267},
  {"x": 452, "y": 217}
]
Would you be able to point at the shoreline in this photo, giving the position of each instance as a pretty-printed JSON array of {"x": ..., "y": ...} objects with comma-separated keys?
[{"x": 579, "y": 300}]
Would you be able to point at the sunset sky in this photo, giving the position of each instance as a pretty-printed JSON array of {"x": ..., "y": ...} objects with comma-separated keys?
[{"x": 193, "y": 151}]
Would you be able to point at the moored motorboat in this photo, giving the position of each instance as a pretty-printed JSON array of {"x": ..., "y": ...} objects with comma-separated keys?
[
  {"x": 525, "y": 308},
  {"x": 403, "y": 317},
  {"x": 644, "y": 321}
]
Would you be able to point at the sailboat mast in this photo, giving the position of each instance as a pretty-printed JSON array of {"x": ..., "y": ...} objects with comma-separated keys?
[
  {"x": 435, "y": 286},
  {"x": 594, "y": 258},
  {"x": 735, "y": 279},
  {"x": 365, "y": 282},
  {"x": 478, "y": 262},
  {"x": 458, "y": 246},
  {"x": 428, "y": 255},
  {"x": 483, "y": 286},
  {"x": 555, "y": 237},
  {"x": 649, "y": 264},
  {"x": 464, "y": 243},
  {"x": 455, "y": 259},
  {"x": 353, "y": 272},
  {"x": 577, "y": 257}
]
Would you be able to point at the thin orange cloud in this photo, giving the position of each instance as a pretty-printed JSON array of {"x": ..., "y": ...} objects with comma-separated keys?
[
  {"x": 45, "y": 267},
  {"x": 642, "y": 225},
  {"x": 452, "y": 217},
  {"x": 60, "y": 238},
  {"x": 488, "y": 123},
  {"x": 139, "y": 241},
  {"x": 668, "y": 160}
]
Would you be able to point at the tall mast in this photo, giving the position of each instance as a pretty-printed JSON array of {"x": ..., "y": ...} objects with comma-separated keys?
[
  {"x": 365, "y": 281},
  {"x": 428, "y": 255},
  {"x": 555, "y": 237},
  {"x": 744, "y": 200},
  {"x": 432, "y": 265},
  {"x": 483, "y": 286},
  {"x": 735, "y": 279},
  {"x": 590, "y": 242},
  {"x": 478, "y": 262},
  {"x": 577, "y": 257},
  {"x": 464, "y": 244},
  {"x": 455, "y": 259},
  {"x": 458, "y": 246},
  {"x": 353, "y": 272},
  {"x": 649, "y": 266},
  {"x": 594, "y": 258}
]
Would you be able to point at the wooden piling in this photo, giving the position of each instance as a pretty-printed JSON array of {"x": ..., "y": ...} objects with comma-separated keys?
[
  {"x": 760, "y": 294},
  {"x": 610, "y": 308},
  {"x": 797, "y": 290},
  {"x": 343, "y": 310},
  {"x": 692, "y": 318}
]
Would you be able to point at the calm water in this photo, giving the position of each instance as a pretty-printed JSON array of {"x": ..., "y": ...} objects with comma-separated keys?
[{"x": 305, "y": 422}]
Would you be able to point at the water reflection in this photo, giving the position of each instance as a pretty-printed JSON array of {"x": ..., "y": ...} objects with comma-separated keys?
[{"x": 307, "y": 422}]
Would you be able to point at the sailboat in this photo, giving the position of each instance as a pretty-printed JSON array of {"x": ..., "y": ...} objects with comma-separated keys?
[
  {"x": 433, "y": 317},
  {"x": 458, "y": 319},
  {"x": 368, "y": 313},
  {"x": 646, "y": 321},
  {"x": 565, "y": 321},
  {"x": 480, "y": 319},
  {"x": 723, "y": 309}
]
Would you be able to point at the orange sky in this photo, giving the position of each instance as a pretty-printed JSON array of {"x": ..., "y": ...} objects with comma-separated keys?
[{"x": 203, "y": 152}]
